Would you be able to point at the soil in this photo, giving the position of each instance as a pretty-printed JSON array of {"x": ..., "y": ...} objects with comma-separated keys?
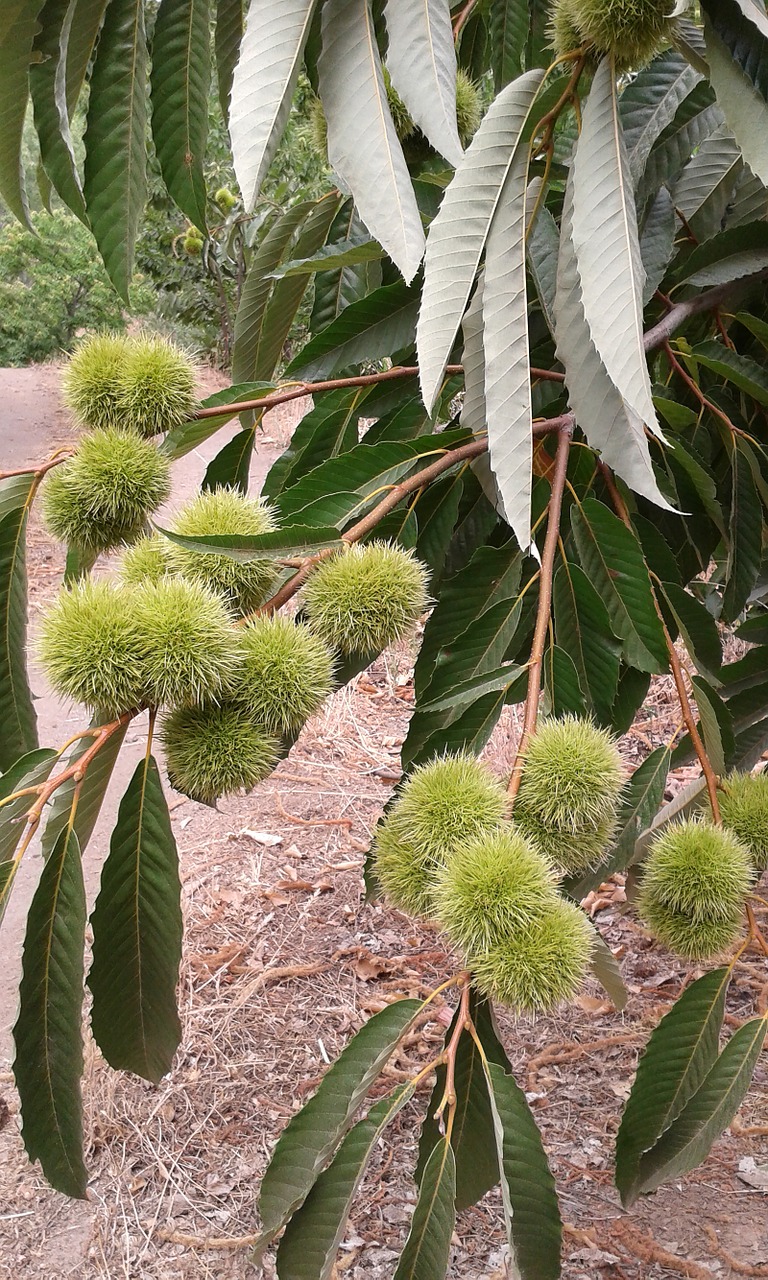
[{"x": 283, "y": 961}]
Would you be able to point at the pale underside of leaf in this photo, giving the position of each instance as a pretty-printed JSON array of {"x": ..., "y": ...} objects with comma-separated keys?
[
  {"x": 744, "y": 108},
  {"x": 422, "y": 63},
  {"x": 649, "y": 104},
  {"x": 459, "y": 232},
  {"x": 610, "y": 425},
  {"x": 607, "y": 247},
  {"x": 711, "y": 174},
  {"x": 262, "y": 88},
  {"x": 508, "y": 401},
  {"x": 363, "y": 146}
]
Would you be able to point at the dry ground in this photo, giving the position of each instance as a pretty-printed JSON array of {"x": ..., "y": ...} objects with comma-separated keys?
[{"x": 283, "y": 962}]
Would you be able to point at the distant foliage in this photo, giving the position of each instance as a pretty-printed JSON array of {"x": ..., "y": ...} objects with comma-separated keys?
[{"x": 52, "y": 285}]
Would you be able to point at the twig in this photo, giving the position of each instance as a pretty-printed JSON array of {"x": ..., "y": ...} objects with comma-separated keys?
[
  {"x": 675, "y": 665},
  {"x": 648, "y": 1251},
  {"x": 39, "y": 471},
  {"x": 544, "y": 608},
  {"x": 462, "y": 18}
]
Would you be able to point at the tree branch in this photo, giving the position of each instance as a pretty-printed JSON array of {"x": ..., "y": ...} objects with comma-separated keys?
[
  {"x": 708, "y": 301},
  {"x": 536, "y": 663}
]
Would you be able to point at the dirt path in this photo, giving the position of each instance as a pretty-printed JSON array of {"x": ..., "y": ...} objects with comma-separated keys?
[{"x": 282, "y": 963}]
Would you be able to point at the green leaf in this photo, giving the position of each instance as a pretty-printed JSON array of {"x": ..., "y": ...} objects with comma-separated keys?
[
  {"x": 687, "y": 802},
  {"x": 508, "y": 26},
  {"x": 47, "y": 1034},
  {"x": 370, "y": 329},
  {"x": 284, "y": 543},
  {"x": 428, "y": 1247},
  {"x": 93, "y": 787},
  {"x": 30, "y": 770},
  {"x": 181, "y": 77},
  {"x": 438, "y": 512},
  {"x": 543, "y": 252},
  {"x": 314, "y": 1133},
  {"x": 331, "y": 258},
  {"x": 677, "y": 1058},
  {"x": 421, "y": 60},
  {"x": 640, "y": 801},
  {"x": 742, "y": 26},
  {"x": 649, "y": 104},
  {"x": 458, "y": 234},
  {"x": 328, "y": 429},
  {"x": 697, "y": 627},
  {"x": 744, "y": 372},
  {"x": 695, "y": 119},
  {"x": 563, "y": 694},
  {"x": 115, "y": 139},
  {"x": 287, "y": 294},
  {"x": 534, "y": 1228},
  {"x": 17, "y": 713},
  {"x": 492, "y": 575},
  {"x": 472, "y": 1135},
  {"x": 48, "y": 89},
  {"x": 251, "y": 313},
  {"x": 715, "y": 726},
  {"x": 733, "y": 254},
  {"x": 611, "y": 426},
  {"x": 16, "y": 43},
  {"x": 688, "y": 1141},
  {"x": 262, "y": 87},
  {"x": 657, "y": 244},
  {"x": 705, "y": 187},
  {"x": 363, "y": 146},
  {"x": 137, "y": 931},
  {"x": 583, "y": 631},
  {"x": 604, "y": 214},
  {"x": 745, "y": 549},
  {"x": 189, "y": 435},
  {"x": 86, "y": 24},
  {"x": 612, "y": 559},
  {"x": 311, "y": 1241},
  {"x": 227, "y": 40},
  {"x": 231, "y": 468},
  {"x": 346, "y": 485},
  {"x": 334, "y": 292}
]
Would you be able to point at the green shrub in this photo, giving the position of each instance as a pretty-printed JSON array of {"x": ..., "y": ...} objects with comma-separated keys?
[{"x": 52, "y": 285}]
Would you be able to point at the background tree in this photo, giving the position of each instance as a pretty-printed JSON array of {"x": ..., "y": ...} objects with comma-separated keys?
[{"x": 590, "y": 513}]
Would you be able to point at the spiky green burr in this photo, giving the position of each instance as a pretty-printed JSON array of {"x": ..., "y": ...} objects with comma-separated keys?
[
  {"x": 245, "y": 584},
  {"x": 191, "y": 653},
  {"x": 91, "y": 648},
  {"x": 365, "y": 598},
  {"x": 214, "y": 751},
  {"x": 102, "y": 496},
  {"x": 540, "y": 965},
  {"x": 444, "y": 804},
  {"x": 287, "y": 673}
]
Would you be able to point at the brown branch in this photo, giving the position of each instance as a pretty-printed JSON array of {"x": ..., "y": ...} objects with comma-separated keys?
[
  {"x": 675, "y": 664},
  {"x": 462, "y": 18},
  {"x": 60, "y": 456},
  {"x": 698, "y": 394},
  {"x": 463, "y": 1022},
  {"x": 301, "y": 389},
  {"x": 536, "y": 664},
  {"x": 711, "y": 300}
]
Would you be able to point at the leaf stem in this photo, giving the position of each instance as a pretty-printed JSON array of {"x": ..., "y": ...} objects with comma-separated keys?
[{"x": 531, "y": 712}]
